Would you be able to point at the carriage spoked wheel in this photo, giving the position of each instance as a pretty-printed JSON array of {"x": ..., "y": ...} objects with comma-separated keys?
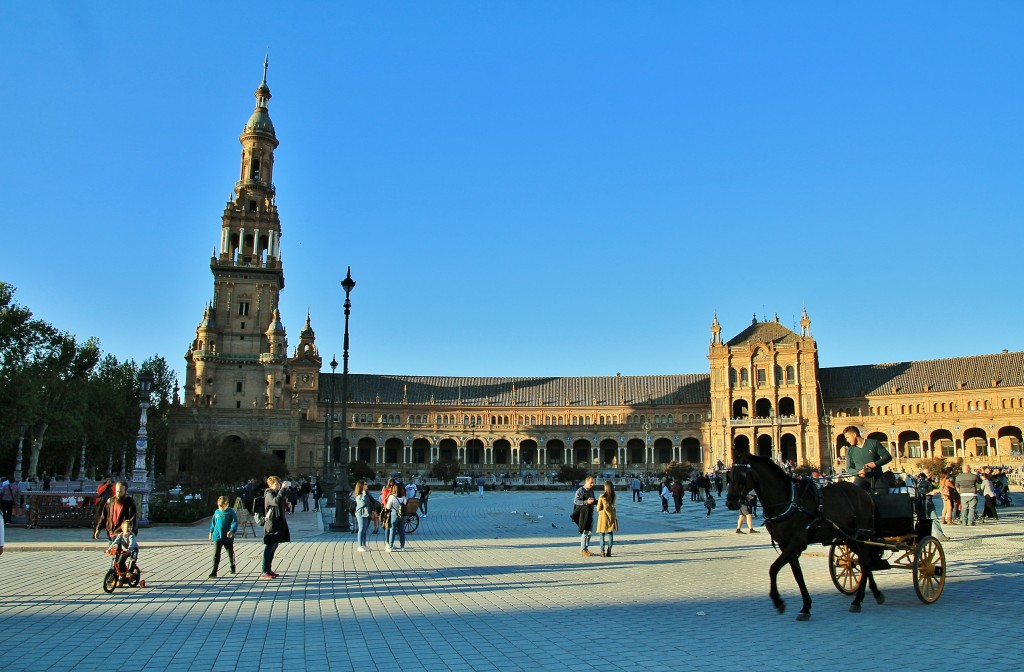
[
  {"x": 844, "y": 566},
  {"x": 929, "y": 569},
  {"x": 412, "y": 521}
]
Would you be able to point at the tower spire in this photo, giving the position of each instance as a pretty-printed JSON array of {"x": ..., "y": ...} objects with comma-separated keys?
[{"x": 266, "y": 64}]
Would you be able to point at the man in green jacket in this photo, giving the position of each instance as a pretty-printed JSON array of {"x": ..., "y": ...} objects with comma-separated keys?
[{"x": 865, "y": 458}]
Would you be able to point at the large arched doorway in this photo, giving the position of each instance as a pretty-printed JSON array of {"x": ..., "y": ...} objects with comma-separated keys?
[
  {"x": 474, "y": 452},
  {"x": 528, "y": 453},
  {"x": 741, "y": 445},
  {"x": 663, "y": 450},
  {"x": 765, "y": 445},
  {"x": 502, "y": 451},
  {"x": 393, "y": 451},
  {"x": 908, "y": 444},
  {"x": 636, "y": 451},
  {"x": 787, "y": 448},
  {"x": 447, "y": 450},
  {"x": 882, "y": 439},
  {"x": 691, "y": 450},
  {"x": 975, "y": 442},
  {"x": 366, "y": 449},
  {"x": 740, "y": 408},
  {"x": 787, "y": 408},
  {"x": 420, "y": 451},
  {"x": 610, "y": 453},
  {"x": 943, "y": 444},
  {"x": 763, "y": 408},
  {"x": 581, "y": 451},
  {"x": 556, "y": 451},
  {"x": 1008, "y": 441}
]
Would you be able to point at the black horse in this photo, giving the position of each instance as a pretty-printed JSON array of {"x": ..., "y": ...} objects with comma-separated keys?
[{"x": 798, "y": 513}]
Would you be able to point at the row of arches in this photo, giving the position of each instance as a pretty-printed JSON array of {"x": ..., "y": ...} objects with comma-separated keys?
[
  {"x": 763, "y": 408},
  {"x": 971, "y": 442},
  {"x": 532, "y": 420},
  {"x": 741, "y": 377},
  {"x": 528, "y": 453}
]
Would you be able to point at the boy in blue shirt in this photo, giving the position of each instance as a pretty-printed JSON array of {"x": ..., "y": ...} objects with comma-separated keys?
[{"x": 223, "y": 525}]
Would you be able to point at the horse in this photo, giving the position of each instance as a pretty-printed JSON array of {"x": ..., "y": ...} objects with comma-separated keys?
[{"x": 798, "y": 513}]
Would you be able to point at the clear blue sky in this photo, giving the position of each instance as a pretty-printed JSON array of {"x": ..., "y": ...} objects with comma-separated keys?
[{"x": 528, "y": 188}]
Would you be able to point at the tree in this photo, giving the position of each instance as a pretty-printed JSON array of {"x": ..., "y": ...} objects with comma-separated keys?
[
  {"x": 446, "y": 470},
  {"x": 221, "y": 466},
  {"x": 679, "y": 471},
  {"x": 165, "y": 381},
  {"x": 359, "y": 470},
  {"x": 570, "y": 473}
]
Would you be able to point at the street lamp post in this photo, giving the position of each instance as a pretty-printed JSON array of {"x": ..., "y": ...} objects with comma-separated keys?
[
  {"x": 21, "y": 444},
  {"x": 140, "y": 483},
  {"x": 329, "y": 437},
  {"x": 341, "y": 523},
  {"x": 649, "y": 454}
]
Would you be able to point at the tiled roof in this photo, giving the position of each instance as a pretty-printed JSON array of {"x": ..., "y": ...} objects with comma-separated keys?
[
  {"x": 553, "y": 391},
  {"x": 942, "y": 375},
  {"x": 764, "y": 332}
]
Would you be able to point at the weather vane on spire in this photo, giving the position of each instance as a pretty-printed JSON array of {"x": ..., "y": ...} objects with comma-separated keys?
[{"x": 266, "y": 63}]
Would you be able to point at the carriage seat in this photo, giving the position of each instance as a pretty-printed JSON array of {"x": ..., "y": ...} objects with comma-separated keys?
[{"x": 894, "y": 514}]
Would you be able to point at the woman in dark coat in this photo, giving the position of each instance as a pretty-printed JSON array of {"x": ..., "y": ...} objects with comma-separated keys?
[{"x": 275, "y": 526}]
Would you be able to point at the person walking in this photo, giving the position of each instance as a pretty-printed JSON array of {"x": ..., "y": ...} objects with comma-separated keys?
[
  {"x": 480, "y": 483},
  {"x": 665, "y": 494},
  {"x": 709, "y": 503},
  {"x": 304, "y": 491},
  {"x": 677, "y": 494},
  {"x": 746, "y": 512},
  {"x": 967, "y": 483},
  {"x": 275, "y": 525},
  {"x": 583, "y": 502},
  {"x": 607, "y": 521},
  {"x": 945, "y": 491},
  {"x": 988, "y": 489},
  {"x": 317, "y": 491},
  {"x": 424, "y": 496},
  {"x": 363, "y": 507},
  {"x": 635, "y": 487},
  {"x": 8, "y": 495},
  {"x": 223, "y": 525},
  {"x": 394, "y": 509},
  {"x": 118, "y": 509}
]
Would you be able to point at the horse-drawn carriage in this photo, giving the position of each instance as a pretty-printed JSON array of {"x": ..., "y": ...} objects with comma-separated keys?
[
  {"x": 902, "y": 530},
  {"x": 860, "y": 527}
]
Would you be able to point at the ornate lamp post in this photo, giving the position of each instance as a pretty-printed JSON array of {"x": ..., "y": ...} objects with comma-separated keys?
[
  {"x": 140, "y": 484},
  {"x": 648, "y": 451},
  {"x": 328, "y": 486},
  {"x": 20, "y": 446},
  {"x": 341, "y": 523}
]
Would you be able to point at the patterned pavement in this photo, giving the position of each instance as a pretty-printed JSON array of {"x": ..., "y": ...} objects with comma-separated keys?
[{"x": 492, "y": 583}]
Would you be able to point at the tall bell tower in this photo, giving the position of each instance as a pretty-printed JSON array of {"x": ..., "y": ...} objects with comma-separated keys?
[{"x": 239, "y": 355}]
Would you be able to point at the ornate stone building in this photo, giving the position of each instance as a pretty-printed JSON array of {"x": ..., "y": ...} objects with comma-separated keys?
[{"x": 765, "y": 389}]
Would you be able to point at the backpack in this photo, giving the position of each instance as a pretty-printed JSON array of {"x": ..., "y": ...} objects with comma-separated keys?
[{"x": 259, "y": 511}]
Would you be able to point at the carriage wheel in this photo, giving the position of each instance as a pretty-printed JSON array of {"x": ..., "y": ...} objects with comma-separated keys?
[
  {"x": 110, "y": 581},
  {"x": 412, "y": 521},
  {"x": 844, "y": 566},
  {"x": 929, "y": 569}
]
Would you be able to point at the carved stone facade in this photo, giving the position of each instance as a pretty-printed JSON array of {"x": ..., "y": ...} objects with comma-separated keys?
[{"x": 765, "y": 390}]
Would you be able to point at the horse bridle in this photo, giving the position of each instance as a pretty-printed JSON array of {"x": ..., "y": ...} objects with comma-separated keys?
[{"x": 793, "y": 505}]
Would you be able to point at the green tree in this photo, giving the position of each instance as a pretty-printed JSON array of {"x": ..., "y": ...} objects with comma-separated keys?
[
  {"x": 359, "y": 470},
  {"x": 165, "y": 381},
  {"x": 446, "y": 470},
  {"x": 679, "y": 471},
  {"x": 570, "y": 473}
]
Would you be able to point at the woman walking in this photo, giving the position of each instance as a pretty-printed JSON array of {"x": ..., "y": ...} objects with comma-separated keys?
[
  {"x": 394, "y": 508},
  {"x": 363, "y": 507},
  {"x": 607, "y": 521},
  {"x": 275, "y": 527}
]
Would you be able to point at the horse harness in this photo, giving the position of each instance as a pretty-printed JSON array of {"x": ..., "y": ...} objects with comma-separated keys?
[{"x": 817, "y": 516}]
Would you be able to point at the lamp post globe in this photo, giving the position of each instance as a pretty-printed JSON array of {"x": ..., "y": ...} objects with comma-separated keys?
[{"x": 341, "y": 491}]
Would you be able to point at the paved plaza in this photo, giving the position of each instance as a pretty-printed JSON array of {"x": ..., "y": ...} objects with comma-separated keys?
[{"x": 497, "y": 582}]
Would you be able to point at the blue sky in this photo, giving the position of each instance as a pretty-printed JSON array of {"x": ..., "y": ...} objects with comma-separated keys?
[{"x": 528, "y": 188}]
